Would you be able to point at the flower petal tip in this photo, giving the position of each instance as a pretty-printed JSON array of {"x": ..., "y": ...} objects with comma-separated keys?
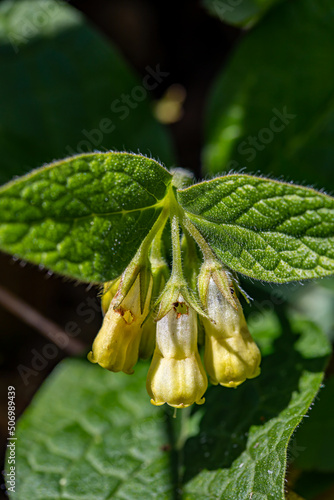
[
  {"x": 90, "y": 357},
  {"x": 156, "y": 403}
]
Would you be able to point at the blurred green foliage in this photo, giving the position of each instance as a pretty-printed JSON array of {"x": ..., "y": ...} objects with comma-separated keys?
[
  {"x": 239, "y": 12},
  {"x": 102, "y": 433},
  {"x": 64, "y": 90},
  {"x": 272, "y": 108}
]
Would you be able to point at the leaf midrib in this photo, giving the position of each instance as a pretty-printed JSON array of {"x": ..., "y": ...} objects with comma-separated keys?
[
  {"x": 259, "y": 231},
  {"x": 281, "y": 260},
  {"x": 90, "y": 216}
]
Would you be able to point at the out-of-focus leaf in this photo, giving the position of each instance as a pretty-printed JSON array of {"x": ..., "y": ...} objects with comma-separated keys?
[
  {"x": 316, "y": 302},
  {"x": 89, "y": 433},
  {"x": 92, "y": 434},
  {"x": 315, "y": 438},
  {"x": 272, "y": 108},
  {"x": 63, "y": 90},
  {"x": 239, "y": 12},
  {"x": 240, "y": 451}
]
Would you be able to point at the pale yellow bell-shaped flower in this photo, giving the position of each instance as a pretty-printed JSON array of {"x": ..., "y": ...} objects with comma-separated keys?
[
  {"x": 109, "y": 292},
  {"x": 176, "y": 375},
  {"x": 117, "y": 343},
  {"x": 231, "y": 355}
]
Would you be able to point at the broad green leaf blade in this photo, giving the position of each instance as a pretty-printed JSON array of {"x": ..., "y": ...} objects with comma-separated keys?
[
  {"x": 90, "y": 434},
  {"x": 272, "y": 107},
  {"x": 240, "y": 451},
  {"x": 314, "y": 440},
  {"x": 264, "y": 229},
  {"x": 85, "y": 216},
  {"x": 239, "y": 12},
  {"x": 63, "y": 89},
  {"x": 101, "y": 434}
]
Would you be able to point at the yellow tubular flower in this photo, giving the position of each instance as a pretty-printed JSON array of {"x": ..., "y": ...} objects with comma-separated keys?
[
  {"x": 109, "y": 291},
  {"x": 231, "y": 355},
  {"x": 117, "y": 343},
  {"x": 176, "y": 375}
]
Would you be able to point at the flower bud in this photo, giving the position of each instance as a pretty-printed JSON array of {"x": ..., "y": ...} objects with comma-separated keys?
[
  {"x": 231, "y": 355},
  {"x": 176, "y": 375},
  {"x": 117, "y": 343}
]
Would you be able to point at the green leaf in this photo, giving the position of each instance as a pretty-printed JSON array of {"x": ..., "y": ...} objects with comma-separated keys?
[
  {"x": 264, "y": 229},
  {"x": 92, "y": 434},
  {"x": 315, "y": 438},
  {"x": 240, "y": 451},
  {"x": 83, "y": 217},
  {"x": 101, "y": 434},
  {"x": 239, "y": 12},
  {"x": 63, "y": 89},
  {"x": 272, "y": 106}
]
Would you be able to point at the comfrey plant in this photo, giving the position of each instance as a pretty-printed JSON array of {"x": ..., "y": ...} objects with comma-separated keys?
[
  {"x": 110, "y": 218},
  {"x": 131, "y": 329},
  {"x": 171, "y": 260}
]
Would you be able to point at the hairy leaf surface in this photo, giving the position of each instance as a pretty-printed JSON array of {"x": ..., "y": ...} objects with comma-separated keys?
[
  {"x": 83, "y": 217},
  {"x": 265, "y": 229},
  {"x": 89, "y": 430}
]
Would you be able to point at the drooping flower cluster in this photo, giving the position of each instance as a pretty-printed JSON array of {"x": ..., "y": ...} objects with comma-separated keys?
[{"x": 149, "y": 312}]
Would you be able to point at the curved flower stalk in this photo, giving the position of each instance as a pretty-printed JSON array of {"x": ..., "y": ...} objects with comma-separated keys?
[
  {"x": 116, "y": 346},
  {"x": 231, "y": 355},
  {"x": 176, "y": 375},
  {"x": 130, "y": 330},
  {"x": 161, "y": 274}
]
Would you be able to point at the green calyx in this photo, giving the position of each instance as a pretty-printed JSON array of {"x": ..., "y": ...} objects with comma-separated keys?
[{"x": 214, "y": 270}]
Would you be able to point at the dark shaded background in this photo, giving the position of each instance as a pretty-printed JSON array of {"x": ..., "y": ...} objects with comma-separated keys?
[{"x": 191, "y": 47}]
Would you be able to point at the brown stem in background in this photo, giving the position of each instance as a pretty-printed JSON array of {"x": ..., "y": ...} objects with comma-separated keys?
[{"x": 35, "y": 319}]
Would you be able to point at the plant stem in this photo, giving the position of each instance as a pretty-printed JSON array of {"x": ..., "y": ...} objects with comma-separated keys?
[
  {"x": 158, "y": 226},
  {"x": 177, "y": 271},
  {"x": 193, "y": 231},
  {"x": 35, "y": 319}
]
